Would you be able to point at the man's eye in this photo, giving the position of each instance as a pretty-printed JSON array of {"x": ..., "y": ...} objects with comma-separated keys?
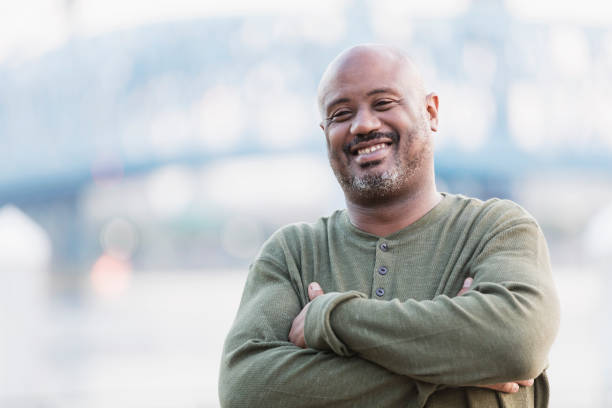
[
  {"x": 382, "y": 104},
  {"x": 339, "y": 115}
]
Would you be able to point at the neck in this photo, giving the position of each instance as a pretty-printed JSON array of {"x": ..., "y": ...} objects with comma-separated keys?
[{"x": 384, "y": 219}]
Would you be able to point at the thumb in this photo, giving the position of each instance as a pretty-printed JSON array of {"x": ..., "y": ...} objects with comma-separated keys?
[
  {"x": 314, "y": 290},
  {"x": 466, "y": 286}
]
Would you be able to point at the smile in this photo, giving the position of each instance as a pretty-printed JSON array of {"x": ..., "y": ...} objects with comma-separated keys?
[
  {"x": 371, "y": 149},
  {"x": 372, "y": 155}
]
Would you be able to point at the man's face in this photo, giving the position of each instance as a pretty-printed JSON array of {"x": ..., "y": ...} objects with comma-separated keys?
[{"x": 377, "y": 127}]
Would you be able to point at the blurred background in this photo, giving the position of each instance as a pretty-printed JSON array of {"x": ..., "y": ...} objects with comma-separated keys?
[{"x": 148, "y": 148}]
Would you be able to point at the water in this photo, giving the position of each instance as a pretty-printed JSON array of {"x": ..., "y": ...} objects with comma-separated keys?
[{"x": 158, "y": 343}]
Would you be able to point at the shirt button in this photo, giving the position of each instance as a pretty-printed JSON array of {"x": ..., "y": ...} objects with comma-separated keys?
[
  {"x": 382, "y": 270},
  {"x": 383, "y": 247},
  {"x": 380, "y": 292}
]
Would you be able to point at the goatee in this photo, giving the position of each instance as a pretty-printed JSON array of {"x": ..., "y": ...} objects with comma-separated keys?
[
  {"x": 372, "y": 187},
  {"x": 379, "y": 186}
]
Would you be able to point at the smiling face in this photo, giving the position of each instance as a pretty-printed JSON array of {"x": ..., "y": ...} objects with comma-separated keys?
[{"x": 377, "y": 121}]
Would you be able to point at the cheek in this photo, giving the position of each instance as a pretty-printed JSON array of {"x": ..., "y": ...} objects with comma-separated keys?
[
  {"x": 334, "y": 138},
  {"x": 335, "y": 152},
  {"x": 401, "y": 118}
]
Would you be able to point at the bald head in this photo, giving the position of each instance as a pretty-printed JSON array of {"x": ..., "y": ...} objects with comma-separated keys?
[
  {"x": 358, "y": 61},
  {"x": 378, "y": 124}
]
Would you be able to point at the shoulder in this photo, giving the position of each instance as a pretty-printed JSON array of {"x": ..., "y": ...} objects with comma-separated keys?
[
  {"x": 480, "y": 220},
  {"x": 295, "y": 238},
  {"x": 494, "y": 211}
]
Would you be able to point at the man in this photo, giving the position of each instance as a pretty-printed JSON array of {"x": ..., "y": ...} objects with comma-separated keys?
[{"x": 370, "y": 307}]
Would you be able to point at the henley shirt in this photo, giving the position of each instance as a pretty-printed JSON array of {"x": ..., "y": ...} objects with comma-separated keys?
[{"x": 389, "y": 330}]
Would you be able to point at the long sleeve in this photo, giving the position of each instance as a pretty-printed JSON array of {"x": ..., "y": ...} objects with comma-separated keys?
[
  {"x": 500, "y": 330},
  {"x": 261, "y": 368}
]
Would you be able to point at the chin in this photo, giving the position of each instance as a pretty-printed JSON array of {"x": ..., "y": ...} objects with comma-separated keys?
[{"x": 373, "y": 186}]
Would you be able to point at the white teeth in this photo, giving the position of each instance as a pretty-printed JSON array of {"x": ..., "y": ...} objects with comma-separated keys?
[{"x": 370, "y": 149}]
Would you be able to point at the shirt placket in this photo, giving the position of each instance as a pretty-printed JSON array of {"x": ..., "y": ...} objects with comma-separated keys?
[{"x": 380, "y": 286}]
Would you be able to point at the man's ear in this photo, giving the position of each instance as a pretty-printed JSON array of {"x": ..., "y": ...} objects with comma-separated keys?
[{"x": 432, "y": 109}]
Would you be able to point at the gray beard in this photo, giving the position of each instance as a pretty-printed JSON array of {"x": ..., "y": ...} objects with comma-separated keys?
[
  {"x": 379, "y": 187},
  {"x": 372, "y": 187},
  {"x": 379, "y": 184}
]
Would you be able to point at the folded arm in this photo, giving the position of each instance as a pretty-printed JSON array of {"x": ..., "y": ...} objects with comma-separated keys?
[
  {"x": 500, "y": 330},
  {"x": 261, "y": 368},
  {"x": 296, "y": 336}
]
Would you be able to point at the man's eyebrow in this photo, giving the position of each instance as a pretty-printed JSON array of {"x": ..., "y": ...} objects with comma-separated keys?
[
  {"x": 380, "y": 90},
  {"x": 337, "y": 101}
]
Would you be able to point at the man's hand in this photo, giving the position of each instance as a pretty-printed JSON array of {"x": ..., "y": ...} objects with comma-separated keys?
[
  {"x": 466, "y": 286},
  {"x": 296, "y": 334},
  {"x": 508, "y": 387}
]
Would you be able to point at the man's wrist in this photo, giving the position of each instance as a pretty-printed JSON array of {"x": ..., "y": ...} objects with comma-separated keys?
[{"x": 318, "y": 332}]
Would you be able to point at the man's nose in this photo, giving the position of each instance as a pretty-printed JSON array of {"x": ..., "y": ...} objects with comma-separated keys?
[{"x": 364, "y": 122}]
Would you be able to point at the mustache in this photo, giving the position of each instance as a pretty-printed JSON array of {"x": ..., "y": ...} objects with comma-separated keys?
[{"x": 393, "y": 136}]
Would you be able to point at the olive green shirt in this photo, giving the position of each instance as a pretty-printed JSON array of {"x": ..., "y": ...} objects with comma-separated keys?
[{"x": 389, "y": 330}]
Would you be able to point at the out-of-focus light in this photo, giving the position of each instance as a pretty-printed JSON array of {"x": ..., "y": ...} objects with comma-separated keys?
[
  {"x": 479, "y": 62},
  {"x": 598, "y": 235},
  {"x": 606, "y": 47},
  {"x": 602, "y": 120},
  {"x": 570, "y": 50},
  {"x": 36, "y": 27},
  {"x": 25, "y": 254},
  {"x": 255, "y": 37},
  {"x": 220, "y": 116},
  {"x": 171, "y": 132},
  {"x": 420, "y": 9},
  {"x": 31, "y": 28},
  {"x": 526, "y": 116},
  {"x": 170, "y": 190},
  {"x": 107, "y": 168},
  {"x": 316, "y": 27},
  {"x": 285, "y": 120},
  {"x": 110, "y": 277},
  {"x": 270, "y": 77},
  {"x": 97, "y": 16},
  {"x": 392, "y": 20},
  {"x": 99, "y": 202},
  {"x": 270, "y": 186},
  {"x": 555, "y": 118},
  {"x": 119, "y": 238},
  {"x": 466, "y": 115},
  {"x": 594, "y": 12},
  {"x": 24, "y": 245},
  {"x": 556, "y": 198},
  {"x": 393, "y": 28},
  {"x": 241, "y": 237},
  {"x": 306, "y": 26}
]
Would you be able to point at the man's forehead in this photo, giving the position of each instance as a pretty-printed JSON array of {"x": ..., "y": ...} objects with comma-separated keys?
[
  {"x": 355, "y": 83},
  {"x": 366, "y": 69}
]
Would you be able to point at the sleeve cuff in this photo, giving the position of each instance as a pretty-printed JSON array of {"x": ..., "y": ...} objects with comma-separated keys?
[{"x": 318, "y": 332}]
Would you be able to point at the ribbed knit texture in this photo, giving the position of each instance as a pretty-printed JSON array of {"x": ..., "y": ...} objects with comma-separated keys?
[{"x": 417, "y": 344}]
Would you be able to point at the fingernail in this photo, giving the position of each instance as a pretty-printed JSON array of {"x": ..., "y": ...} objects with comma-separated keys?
[
  {"x": 468, "y": 282},
  {"x": 515, "y": 387},
  {"x": 314, "y": 286}
]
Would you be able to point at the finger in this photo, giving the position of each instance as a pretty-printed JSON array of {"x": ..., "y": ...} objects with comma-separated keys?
[
  {"x": 525, "y": 383},
  {"x": 466, "y": 286},
  {"x": 509, "y": 387},
  {"x": 296, "y": 334},
  {"x": 314, "y": 290}
]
